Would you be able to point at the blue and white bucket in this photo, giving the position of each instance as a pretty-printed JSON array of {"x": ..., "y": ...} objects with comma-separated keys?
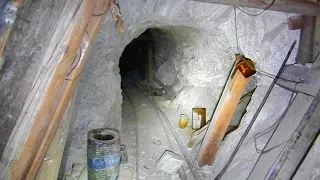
[{"x": 104, "y": 154}]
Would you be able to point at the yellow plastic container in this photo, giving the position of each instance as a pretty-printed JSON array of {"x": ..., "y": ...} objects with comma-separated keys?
[{"x": 183, "y": 122}]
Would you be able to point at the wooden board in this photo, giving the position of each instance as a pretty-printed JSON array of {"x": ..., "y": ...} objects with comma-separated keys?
[
  {"x": 218, "y": 127},
  {"x": 51, "y": 163},
  {"x": 297, "y": 143},
  {"x": 54, "y": 87},
  {"x": 285, "y": 129}
]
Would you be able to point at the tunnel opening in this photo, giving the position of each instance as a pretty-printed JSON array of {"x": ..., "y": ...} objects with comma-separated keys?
[
  {"x": 135, "y": 60},
  {"x": 152, "y": 69}
]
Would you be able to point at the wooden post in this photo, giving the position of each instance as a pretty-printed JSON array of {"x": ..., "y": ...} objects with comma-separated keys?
[
  {"x": 51, "y": 163},
  {"x": 150, "y": 67},
  {"x": 305, "y": 52},
  {"x": 60, "y": 90},
  {"x": 219, "y": 125}
]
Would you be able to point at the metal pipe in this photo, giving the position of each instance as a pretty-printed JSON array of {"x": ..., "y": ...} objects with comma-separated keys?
[{"x": 256, "y": 114}]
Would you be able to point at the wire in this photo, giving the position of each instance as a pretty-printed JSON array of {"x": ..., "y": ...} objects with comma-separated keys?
[
  {"x": 264, "y": 73},
  {"x": 264, "y": 9},
  {"x": 236, "y": 29},
  {"x": 104, "y": 12},
  {"x": 235, "y": 19},
  {"x": 68, "y": 79},
  {"x": 274, "y": 126},
  {"x": 316, "y": 57}
]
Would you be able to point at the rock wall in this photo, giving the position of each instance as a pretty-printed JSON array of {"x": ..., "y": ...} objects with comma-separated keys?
[{"x": 195, "y": 47}]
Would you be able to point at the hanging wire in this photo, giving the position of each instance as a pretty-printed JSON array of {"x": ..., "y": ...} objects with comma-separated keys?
[
  {"x": 236, "y": 29},
  {"x": 264, "y": 73},
  {"x": 273, "y": 127},
  {"x": 264, "y": 9}
]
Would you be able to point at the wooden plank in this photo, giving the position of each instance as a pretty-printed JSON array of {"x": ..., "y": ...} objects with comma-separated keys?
[
  {"x": 28, "y": 161},
  {"x": 306, "y": 7},
  {"x": 307, "y": 78},
  {"x": 51, "y": 163},
  {"x": 293, "y": 157},
  {"x": 52, "y": 111},
  {"x": 298, "y": 141},
  {"x": 309, "y": 167},
  {"x": 20, "y": 69},
  {"x": 305, "y": 52},
  {"x": 218, "y": 128},
  {"x": 285, "y": 129}
]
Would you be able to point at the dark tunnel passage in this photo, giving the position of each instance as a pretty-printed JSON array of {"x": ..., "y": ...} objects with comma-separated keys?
[{"x": 136, "y": 58}]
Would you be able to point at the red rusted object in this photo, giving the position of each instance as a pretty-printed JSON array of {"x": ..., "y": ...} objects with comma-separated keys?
[{"x": 246, "y": 67}]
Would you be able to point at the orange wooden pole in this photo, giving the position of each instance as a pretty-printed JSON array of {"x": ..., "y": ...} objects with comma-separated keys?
[
  {"x": 218, "y": 127},
  {"x": 60, "y": 89}
]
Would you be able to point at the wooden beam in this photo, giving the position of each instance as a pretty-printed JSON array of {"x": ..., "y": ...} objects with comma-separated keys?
[
  {"x": 51, "y": 163},
  {"x": 305, "y": 52},
  {"x": 218, "y": 126},
  {"x": 298, "y": 143},
  {"x": 306, "y": 7},
  {"x": 60, "y": 89},
  {"x": 281, "y": 134},
  {"x": 29, "y": 158}
]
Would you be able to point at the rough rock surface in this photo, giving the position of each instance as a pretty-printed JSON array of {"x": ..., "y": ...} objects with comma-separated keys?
[{"x": 195, "y": 47}]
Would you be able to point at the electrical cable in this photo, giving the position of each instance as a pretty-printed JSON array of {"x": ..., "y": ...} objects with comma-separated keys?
[
  {"x": 256, "y": 114},
  {"x": 274, "y": 126},
  {"x": 264, "y": 9},
  {"x": 264, "y": 73},
  {"x": 104, "y": 12},
  {"x": 236, "y": 29}
]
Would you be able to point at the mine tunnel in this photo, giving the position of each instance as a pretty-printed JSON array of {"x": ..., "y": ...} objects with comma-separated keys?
[{"x": 172, "y": 90}]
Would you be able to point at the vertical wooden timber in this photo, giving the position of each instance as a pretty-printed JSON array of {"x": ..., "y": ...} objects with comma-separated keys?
[
  {"x": 29, "y": 157},
  {"x": 218, "y": 127},
  {"x": 60, "y": 89},
  {"x": 51, "y": 163},
  {"x": 305, "y": 52},
  {"x": 39, "y": 28}
]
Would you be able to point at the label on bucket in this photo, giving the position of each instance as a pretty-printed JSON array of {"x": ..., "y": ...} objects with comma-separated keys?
[{"x": 104, "y": 162}]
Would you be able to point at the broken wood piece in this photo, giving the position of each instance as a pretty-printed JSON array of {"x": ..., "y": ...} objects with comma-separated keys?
[
  {"x": 198, "y": 136},
  {"x": 218, "y": 127}
]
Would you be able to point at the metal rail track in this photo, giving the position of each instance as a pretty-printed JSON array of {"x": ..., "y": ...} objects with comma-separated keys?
[{"x": 192, "y": 163}]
